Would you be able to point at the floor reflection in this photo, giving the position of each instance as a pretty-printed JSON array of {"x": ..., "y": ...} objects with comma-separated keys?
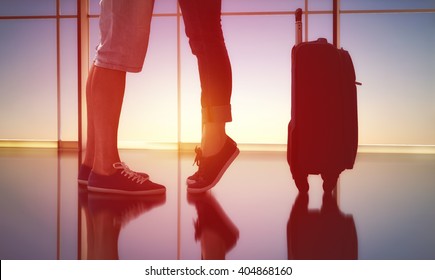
[
  {"x": 213, "y": 227},
  {"x": 325, "y": 234},
  {"x": 382, "y": 209},
  {"x": 104, "y": 215}
]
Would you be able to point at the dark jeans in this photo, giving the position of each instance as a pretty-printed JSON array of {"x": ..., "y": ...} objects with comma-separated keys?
[{"x": 202, "y": 19}]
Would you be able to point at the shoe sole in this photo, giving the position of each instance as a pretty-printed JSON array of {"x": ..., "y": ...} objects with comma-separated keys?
[
  {"x": 117, "y": 191},
  {"x": 190, "y": 181},
  {"x": 218, "y": 177}
]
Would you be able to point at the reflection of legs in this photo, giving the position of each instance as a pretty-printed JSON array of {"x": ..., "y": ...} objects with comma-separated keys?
[
  {"x": 213, "y": 246},
  {"x": 105, "y": 216},
  {"x": 103, "y": 245},
  {"x": 102, "y": 232},
  {"x": 214, "y": 228}
]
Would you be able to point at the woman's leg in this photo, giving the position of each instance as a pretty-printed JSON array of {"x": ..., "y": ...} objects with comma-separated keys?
[{"x": 202, "y": 19}]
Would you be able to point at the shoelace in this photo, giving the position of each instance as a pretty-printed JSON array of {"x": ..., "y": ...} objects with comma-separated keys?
[
  {"x": 130, "y": 173},
  {"x": 198, "y": 229},
  {"x": 198, "y": 156}
]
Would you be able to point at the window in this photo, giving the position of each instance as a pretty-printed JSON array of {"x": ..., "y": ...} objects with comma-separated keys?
[{"x": 391, "y": 43}]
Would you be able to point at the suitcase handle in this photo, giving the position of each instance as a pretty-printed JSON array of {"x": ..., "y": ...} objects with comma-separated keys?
[
  {"x": 298, "y": 26},
  {"x": 298, "y": 15}
]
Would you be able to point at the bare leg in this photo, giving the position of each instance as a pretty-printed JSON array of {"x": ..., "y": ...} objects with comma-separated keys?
[
  {"x": 106, "y": 93},
  {"x": 90, "y": 142}
]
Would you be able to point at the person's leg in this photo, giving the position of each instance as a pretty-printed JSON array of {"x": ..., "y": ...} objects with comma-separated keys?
[
  {"x": 106, "y": 101},
  {"x": 202, "y": 19},
  {"x": 104, "y": 95},
  {"x": 124, "y": 28},
  {"x": 90, "y": 141},
  {"x": 213, "y": 138}
]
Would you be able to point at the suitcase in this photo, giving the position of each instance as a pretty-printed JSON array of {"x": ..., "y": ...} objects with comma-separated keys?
[{"x": 323, "y": 130}]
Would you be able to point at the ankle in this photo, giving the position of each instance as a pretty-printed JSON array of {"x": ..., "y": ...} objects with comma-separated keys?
[{"x": 210, "y": 146}]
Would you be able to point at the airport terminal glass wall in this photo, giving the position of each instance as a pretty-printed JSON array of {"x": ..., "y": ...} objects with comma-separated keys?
[{"x": 391, "y": 43}]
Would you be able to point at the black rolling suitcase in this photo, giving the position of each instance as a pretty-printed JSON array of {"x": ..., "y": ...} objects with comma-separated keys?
[{"x": 323, "y": 131}]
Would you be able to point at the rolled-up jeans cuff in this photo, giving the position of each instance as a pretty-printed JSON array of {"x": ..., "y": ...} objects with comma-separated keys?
[{"x": 216, "y": 114}]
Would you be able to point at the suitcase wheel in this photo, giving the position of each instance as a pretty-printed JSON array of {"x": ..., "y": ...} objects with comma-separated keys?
[
  {"x": 329, "y": 182},
  {"x": 301, "y": 182}
]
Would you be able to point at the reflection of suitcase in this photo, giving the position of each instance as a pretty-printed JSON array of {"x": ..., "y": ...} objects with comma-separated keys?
[
  {"x": 325, "y": 234},
  {"x": 323, "y": 131}
]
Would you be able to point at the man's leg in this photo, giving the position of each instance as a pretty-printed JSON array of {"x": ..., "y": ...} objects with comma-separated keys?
[
  {"x": 107, "y": 92},
  {"x": 104, "y": 96},
  {"x": 124, "y": 28},
  {"x": 109, "y": 174},
  {"x": 90, "y": 141}
]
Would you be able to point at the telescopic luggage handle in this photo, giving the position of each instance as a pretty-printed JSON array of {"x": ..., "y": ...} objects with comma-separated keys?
[
  {"x": 298, "y": 21},
  {"x": 298, "y": 26}
]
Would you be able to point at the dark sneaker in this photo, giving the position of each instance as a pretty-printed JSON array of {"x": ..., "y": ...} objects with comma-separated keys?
[
  {"x": 123, "y": 181},
  {"x": 85, "y": 171},
  {"x": 212, "y": 168}
]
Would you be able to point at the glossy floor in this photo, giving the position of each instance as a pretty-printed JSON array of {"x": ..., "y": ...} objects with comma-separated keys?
[{"x": 383, "y": 209}]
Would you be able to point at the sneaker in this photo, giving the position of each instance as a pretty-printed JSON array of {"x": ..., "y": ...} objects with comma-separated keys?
[
  {"x": 211, "y": 169},
  {"x": 85, "y": 171},
  {"x": 192, "y": 179},
  {"x": 123, "y": 181}
]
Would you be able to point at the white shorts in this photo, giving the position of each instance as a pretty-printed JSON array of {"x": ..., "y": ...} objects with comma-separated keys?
[{"x": 124, "y": 30}]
